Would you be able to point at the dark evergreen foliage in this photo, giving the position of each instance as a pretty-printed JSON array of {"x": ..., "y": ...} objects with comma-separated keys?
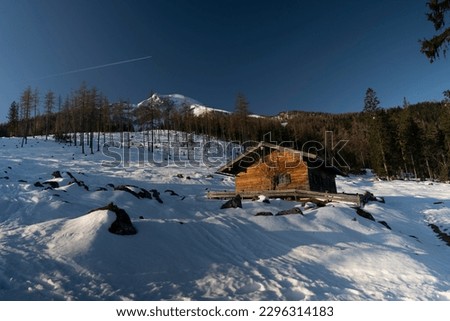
[
  {"x": 438, "y": 11},
  {"x": 371, "y": 102}
]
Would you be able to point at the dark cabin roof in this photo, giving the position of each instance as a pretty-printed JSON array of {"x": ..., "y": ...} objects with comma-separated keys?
[{"x": 256, "y": 153}]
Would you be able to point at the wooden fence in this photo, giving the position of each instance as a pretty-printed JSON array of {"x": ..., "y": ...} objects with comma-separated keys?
[{"x": 294, "y": 194}]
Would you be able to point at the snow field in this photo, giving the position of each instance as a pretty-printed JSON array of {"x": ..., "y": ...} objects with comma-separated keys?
[{"x": 53, "y": 248}]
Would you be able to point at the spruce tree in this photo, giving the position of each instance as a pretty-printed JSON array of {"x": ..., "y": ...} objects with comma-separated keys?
[
  {"x": 377, "y": 127},
  {"x": 240, "y": 116},
  {"x": 411, "y": 143},
  {"x": 446, "y": 94},
  {"x": 13, "y": 119},
  {"x": 371, "y": 102},
  {"x": 439, "y": 10}
]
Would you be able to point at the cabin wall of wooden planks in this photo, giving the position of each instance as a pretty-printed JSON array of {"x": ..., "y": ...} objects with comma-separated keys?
[{"x": 279, "y": 170}]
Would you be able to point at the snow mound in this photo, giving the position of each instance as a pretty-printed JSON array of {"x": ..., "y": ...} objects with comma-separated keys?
[{"x": 76, "y": 236}]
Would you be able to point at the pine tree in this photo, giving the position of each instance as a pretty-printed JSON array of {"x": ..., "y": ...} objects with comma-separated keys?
[
  {"x": 35, "y": 103},
  {"x": 405, "y": 103},
  {"x": 240, "y": 117},
  {"x": 49, "y": 105},
  {"x": 411, "y": 143},
  {"x": 241, "y": 106},
  {"x": 433, "y": 46},
  {"x": 93, "y": 113},
  {"x": 82, "y": 113},
  {"x": 446, "y": 94},
  {"x": 371, "y": 102},
  {"x": 104, "y": 119},
  {"x": 13, "y": 119},
  {"x": 26, "y": 103},
  {"x": 378, "y": 132}
]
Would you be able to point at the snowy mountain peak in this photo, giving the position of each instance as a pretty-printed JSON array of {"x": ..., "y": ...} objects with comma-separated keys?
[{"x": 180, "y": 101}]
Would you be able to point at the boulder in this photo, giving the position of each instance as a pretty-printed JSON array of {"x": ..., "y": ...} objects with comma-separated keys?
[
  {"x": 155, "y": 194},
  {"x": 122, "y": 225},
  {"x": 235, "y": 202},
  {"x": 370, "y": 197},
  {"x": 171, "y": 192},
  {"x": 264, "y": 214},
  {"x": 56, "y": 174},
  {"x": 143, "y": 193},
  {"x": 317, "y": 202},
  {"x": 127, "y": 189},
  {"x": 443, "y": 236},
  {"x": 365, "y": 214},
  {"x": 385, "y": 224},
  {"x": 79, "y": 183},
  {"x": 294, "y": 210},
  {"x": 51, "y": 184}
]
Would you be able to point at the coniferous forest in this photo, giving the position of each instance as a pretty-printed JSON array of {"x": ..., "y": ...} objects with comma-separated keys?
[{"x": 408, "y": 141}]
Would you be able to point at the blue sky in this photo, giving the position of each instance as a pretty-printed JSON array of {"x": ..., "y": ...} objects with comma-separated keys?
[{"x": 282, "y": 55}]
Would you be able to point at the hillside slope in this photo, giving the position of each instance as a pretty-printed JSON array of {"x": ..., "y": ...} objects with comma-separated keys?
[{"x": 54, "y": 247}]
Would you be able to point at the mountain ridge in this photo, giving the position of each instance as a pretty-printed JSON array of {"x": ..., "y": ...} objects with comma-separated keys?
[{"x": 180, "y": 102}]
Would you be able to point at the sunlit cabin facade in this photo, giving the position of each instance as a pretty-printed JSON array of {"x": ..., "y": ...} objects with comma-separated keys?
[{"x": 272, "y": 167}]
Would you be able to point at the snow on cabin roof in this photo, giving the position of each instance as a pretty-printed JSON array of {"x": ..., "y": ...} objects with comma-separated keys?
[{"x": 254, "y": 154}]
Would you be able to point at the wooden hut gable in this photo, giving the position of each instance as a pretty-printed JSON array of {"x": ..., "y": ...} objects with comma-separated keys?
[
  {"x": 272, "y": 167},
  {"x": 269, "y": 154}
]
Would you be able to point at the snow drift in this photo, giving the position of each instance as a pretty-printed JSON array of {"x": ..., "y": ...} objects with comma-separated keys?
[{"x": 52, "y": 247}]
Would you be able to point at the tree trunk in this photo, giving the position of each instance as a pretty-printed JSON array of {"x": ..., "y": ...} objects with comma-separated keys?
[
  {"x": 91, "y": 142},
  {"x": 82, "y": 142},
  {"x": 385, "y": 164},
  {"x": 430, "y": 174},
  {"x": 414, "y": 166}
]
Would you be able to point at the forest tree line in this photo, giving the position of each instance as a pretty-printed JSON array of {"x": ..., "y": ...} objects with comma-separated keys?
[{"x": 409, "y": 140}]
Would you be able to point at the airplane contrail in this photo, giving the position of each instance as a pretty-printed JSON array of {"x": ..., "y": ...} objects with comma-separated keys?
[{"x": 96, "y": 67}]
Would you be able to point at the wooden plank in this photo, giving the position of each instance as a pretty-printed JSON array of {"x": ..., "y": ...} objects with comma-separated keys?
[{"x": 293, "y": 193}]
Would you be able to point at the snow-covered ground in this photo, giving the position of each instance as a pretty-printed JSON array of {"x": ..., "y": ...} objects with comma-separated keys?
[{"x": 52, "y": 247}]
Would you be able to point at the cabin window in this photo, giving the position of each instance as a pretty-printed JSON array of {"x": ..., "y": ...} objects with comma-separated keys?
[{"x": 282, "y": 179}]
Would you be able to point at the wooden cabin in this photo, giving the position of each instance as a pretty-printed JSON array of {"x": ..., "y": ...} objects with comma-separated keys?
[{"x": 272, "y": 167}]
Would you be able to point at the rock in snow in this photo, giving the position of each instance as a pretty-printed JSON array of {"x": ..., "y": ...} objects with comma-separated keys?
[
  {"x": 235, "y": 202},
  {"x": 122, "y": 225},
  {"x": 294, "y": 210}
]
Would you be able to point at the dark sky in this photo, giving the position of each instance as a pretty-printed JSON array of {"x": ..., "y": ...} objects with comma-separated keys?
[{"x": 282, "y": 55}]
